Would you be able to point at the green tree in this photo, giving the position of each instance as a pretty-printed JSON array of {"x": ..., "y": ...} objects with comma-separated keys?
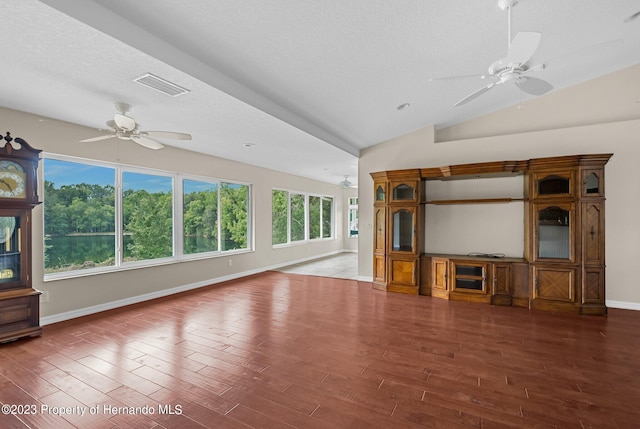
[
  {"x": 149, "y": 223},
  {"x": 234, "y": 201},
  {"x": 297, "y": 217},
  {"x": 314, "y": 217},
  {"x": 279, "y": 216},
  {"x": 79, "y": 208}
]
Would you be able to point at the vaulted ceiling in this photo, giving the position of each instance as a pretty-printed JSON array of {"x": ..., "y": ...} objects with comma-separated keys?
[{"x": 296, "y": 86}]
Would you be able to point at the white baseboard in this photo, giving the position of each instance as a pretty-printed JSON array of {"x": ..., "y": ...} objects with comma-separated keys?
[
  {"x": 60, "y": 317},
  {"x": 623, "y": 305},
  {"x": 67, "y": 315}
]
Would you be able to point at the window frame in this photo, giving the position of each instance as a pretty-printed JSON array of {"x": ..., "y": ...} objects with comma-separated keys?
[
  {"x": 307, "y": 229},
  {"x": 177, "y": 190},
  {"x": 352, "y": 209}
]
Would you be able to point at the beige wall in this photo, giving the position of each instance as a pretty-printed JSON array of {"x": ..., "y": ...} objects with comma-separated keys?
[
  {"x": 619, "y": 135},
  {"x": 349, "y": 244},
  {"x": 76, "y": 296}
]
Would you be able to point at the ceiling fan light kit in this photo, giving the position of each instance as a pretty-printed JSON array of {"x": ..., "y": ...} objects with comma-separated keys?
[
  {"x": 124, "y": 127},
  {"x": 516, "y": 64}
]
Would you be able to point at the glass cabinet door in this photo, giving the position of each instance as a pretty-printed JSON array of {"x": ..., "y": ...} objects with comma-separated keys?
[
  {"x": 404, "y": 191},
  {"x": 553, "y": 185},
  {"x": 592, "y": 183},
  {"x": 379, "y": 193},
  {"x": 554, "y": 225},
  {"x": 403, "y": 239},
  {"x": 10, "y": 250}
]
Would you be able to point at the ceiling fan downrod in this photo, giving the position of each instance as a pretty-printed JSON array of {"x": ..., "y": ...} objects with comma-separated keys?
[{"x": 508, "y": 5}]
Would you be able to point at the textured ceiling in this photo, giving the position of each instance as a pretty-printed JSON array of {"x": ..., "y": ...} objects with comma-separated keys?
[{"x": 309, "y": 83}]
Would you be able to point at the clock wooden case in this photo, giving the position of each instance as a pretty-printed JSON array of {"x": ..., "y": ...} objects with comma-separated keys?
[{"x": 19, "y": 302}]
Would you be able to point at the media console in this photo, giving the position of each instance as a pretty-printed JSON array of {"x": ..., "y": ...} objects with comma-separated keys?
[{"x": 563, "y": 267}]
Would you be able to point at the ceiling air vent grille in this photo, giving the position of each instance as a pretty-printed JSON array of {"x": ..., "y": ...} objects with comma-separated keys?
[{"x": 159, "y": 84}]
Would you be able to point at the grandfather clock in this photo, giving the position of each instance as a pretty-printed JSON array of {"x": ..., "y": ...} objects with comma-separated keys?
[{"x": 19, "y": 302}]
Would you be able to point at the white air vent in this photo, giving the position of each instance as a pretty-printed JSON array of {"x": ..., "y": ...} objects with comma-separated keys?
[{"x": 159, "y": 84}]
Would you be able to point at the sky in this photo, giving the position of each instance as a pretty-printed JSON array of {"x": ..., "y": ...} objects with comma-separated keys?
[{"x": 70, "y": 173}]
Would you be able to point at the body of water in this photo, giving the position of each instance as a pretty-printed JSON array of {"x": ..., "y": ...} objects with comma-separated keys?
[{"x": 67, "y": 250}]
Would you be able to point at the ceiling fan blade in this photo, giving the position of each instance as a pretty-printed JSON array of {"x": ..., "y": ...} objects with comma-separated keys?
[
  {"x": 124, "y": 122},
  {"x": 476, "y": 94},
  {"x": 522, "y": 48},
  {"x": 533, "y": 85},
  {"x": 147, "y": 142},
  {"x": 632, "y": 17},
  {"x": 167, "y": 135},
  {"x": 97, "y": 139}
]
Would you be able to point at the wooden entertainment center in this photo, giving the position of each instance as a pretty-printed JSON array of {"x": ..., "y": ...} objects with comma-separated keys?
[{"x": 563, "y": 267}]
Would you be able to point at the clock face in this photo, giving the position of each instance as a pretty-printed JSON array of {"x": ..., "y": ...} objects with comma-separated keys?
[{"x": 12, "y": 180}]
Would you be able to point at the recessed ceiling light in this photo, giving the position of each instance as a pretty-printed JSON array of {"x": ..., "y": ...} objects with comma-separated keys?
[
  {"x": 403, "y": 106},
  {"x": 249, "y": 144}
]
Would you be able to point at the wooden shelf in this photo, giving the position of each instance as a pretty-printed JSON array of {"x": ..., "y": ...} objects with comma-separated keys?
[{"x": 475, "y": 201}]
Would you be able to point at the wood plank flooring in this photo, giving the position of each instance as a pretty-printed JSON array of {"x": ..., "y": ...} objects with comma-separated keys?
[{"x": 279, "y": 350}]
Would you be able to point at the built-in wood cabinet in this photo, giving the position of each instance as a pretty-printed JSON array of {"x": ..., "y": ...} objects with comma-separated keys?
[
  {"x": 398, "y": 216},
  {"x": 563, "y": 267},
  {"x": 470, "y": 278}
]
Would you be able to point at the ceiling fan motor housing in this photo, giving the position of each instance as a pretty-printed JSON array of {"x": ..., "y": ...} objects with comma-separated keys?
[{"x": 504, "y": 4}]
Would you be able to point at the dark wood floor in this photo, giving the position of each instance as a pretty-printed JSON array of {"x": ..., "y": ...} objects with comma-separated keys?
[{"x": 280, "y": 350}]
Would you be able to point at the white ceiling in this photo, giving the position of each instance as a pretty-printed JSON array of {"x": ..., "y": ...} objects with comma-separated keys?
[{"x": 310, "y": 83}]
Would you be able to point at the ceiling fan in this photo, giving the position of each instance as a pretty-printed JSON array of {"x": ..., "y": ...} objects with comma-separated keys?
[
  {"x": 346, "y": 183},
  {"x": 516, "y": 65},
  {"x": 126, "y": 128}
]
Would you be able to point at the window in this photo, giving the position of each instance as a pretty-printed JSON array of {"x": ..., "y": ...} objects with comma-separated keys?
[
  {"x": 199, "y": 216},
  {"x": 147, "y": 216},
  {"x": 79, "y": 216},
  {"x": 297, "y": 216},
  {"x": 300, "y": 217},
  {"x": 279, "y": 217},
  {"x": 353, "y": 217},
  {"x": 102, "y": 216},
  {"x": 315, "y": 224},
  {"x": 207, "y": 229},
  {"x": 327, "y": 217},
  {"x": 234, "y": 203}
]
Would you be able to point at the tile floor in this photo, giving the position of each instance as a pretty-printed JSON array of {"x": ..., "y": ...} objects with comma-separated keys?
[{"x": 342, "y": 265}]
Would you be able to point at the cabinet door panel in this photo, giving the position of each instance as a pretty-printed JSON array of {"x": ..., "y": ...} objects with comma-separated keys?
[
  {"x": 379, "y": 243},
  {"x": 501, "y": 276},
  {"x": 555, "y": 284},
  {"x": 439, "y": 273},
  {"x": 403, "y": 271},
  {"x": 593, "y": 285},
  {"x": 593, "y": 233},
  {"x": 379, "y": 269}
]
